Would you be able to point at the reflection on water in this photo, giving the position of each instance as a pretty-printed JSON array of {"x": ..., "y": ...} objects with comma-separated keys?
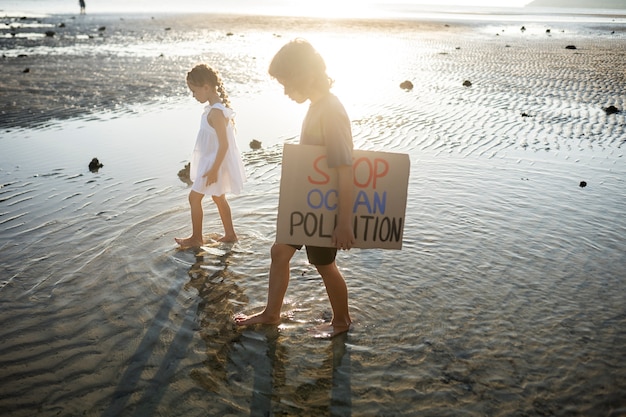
[{"x": 247, "y": 368}]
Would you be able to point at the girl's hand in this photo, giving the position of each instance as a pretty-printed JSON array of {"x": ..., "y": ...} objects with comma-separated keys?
[
  {"x": 343, "y": 237},
  {"x": 211, "y": 176}
]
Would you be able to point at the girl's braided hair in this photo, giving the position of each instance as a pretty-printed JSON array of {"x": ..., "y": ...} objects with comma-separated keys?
[{"x": 203, "y": 74}]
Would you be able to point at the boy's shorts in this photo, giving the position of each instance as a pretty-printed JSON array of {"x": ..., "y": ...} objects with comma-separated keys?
[{"x": 319, "y": 255}]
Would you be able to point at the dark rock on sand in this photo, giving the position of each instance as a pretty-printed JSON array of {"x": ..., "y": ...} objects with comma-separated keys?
[
  {"x": 467, "y": 83},
  {"x": 102, "y": 28},
  {"x": 50, "y": 33},
  {"x": 406, "y": 85},
  {"x": 255, "y": 144},
  {"x": 183, "y": 174},
  {"x": 95, "y": 165},
  {"x": 570, "y": 47},
  {"x": 583, "y": 184},
  {"x": 26, "y": 70},
  {"x": 611, "y": 110},
  {"x": 524, "y": 114}
]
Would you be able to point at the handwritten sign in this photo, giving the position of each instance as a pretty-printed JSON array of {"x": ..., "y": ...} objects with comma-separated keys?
[{"x": 308, "y": 197}]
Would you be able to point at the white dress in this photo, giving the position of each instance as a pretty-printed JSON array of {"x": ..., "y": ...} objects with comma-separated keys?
[{"x": 231, "y": 175}]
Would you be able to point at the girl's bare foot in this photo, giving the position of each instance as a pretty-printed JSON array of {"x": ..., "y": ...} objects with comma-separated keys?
[
  {"x": 329, "y": 330},
  {"x": 259, "y": 318},
  {"x": 189, "y": 242},
  {"x": 228, "y": 239}
]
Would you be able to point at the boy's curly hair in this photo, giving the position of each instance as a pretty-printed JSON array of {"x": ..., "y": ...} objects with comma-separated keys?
[{"x": 300, "y": 65}]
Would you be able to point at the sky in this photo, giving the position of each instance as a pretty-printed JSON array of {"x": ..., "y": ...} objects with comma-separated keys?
[{"x": 478, "y": 3}]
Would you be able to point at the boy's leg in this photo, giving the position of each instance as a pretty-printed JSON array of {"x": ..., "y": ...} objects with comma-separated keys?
[
  {"x": 278, "y": 283},
  {"x": 227, "y": 220},
  {"x": 338, "y": 295},
  {"x": 195, "y": 203}
]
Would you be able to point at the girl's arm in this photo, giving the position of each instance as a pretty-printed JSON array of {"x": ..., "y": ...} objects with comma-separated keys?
[
  {"x": 217, "y": 120},
  {"x": 343, "y": 235}
]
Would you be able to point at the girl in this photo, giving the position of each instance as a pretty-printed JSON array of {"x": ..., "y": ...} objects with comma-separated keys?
[{"x": 216, "y": 165}]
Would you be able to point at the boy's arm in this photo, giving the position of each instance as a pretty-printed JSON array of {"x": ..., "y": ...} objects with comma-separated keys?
[{"x": 343, "y": 235}]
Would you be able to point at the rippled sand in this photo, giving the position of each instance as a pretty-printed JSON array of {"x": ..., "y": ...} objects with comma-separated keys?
[{"x": 506, "y": 299}]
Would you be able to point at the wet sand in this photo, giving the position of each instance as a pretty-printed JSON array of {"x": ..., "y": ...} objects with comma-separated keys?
[{"x": 506, "y": 299}]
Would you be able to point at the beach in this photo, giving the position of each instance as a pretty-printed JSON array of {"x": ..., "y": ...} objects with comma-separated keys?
[{"x": 506, "y": 299}]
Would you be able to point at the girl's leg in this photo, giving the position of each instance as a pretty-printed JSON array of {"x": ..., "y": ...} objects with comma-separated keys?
[
  {"x": 227, "y": 220},
  {"x": 278, "y": 283},
  {"x": 338, "y": 295},
  {"x": 195, "y": 203}
]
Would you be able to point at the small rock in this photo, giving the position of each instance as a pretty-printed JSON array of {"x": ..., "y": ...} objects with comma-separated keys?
[
  {"x": 524, "y": 114},
  {"x": 184, "y": 175},
  {"x": 406, "y": 85},
  {"x": 95, "y": 165},
  {"x": 523, "y": 28},
  {"x": 583, "y": 184},
  {"x": 611, "y": 110},
  {"x": 570, "y": 47},
  {"x": 467, "y": 83},
  {"x": 50, "y": 33},
  {"x": 547, "y": 30},
  {"x": 102, "y": 28},
  {"x": 61, "y": 25},
  {"x": 26, "y": 70},
  {"x": 255, "y": 144}
]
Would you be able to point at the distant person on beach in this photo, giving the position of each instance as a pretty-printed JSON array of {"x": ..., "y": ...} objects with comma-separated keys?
[
  {"x": 216, "y": 167},
  {"x": 82, "y": 6},
  {"x": 302, "y": 72}
]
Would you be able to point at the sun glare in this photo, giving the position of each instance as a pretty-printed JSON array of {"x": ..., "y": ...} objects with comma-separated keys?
[
  {"x": 335, "y": 8},
  {"x": 370, "y": 8}
]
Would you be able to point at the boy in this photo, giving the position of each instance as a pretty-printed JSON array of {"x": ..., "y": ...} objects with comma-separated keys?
[{"x": 302, "y": 72}]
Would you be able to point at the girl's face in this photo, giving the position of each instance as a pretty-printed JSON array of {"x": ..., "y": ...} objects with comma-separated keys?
[{"x": 200, "y": 92}]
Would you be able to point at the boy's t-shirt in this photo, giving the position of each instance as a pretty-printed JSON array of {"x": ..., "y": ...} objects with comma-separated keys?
[{"x": 327, "y": 124}]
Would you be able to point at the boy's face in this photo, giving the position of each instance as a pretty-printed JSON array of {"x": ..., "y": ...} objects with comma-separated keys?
[{"x": 292, "y": 92}]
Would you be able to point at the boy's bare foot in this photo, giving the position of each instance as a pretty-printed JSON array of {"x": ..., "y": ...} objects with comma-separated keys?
[
  {"x": 189, "y": 242},
  {"x": 259, "y": 318},
  {"x": 329, "y": 330}
]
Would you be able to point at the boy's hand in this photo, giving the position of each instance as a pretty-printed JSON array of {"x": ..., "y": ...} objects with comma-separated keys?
[{"x": 343, "y": 237}]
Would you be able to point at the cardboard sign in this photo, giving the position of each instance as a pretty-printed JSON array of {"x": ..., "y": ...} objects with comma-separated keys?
[{"x": 308, "y": 198}]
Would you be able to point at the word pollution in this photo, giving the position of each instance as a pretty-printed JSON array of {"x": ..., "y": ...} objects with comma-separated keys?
[{"x": 309, "y": 197}]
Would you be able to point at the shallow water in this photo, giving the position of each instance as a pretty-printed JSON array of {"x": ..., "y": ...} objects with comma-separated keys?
[{"x": 506, "y": 299}]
